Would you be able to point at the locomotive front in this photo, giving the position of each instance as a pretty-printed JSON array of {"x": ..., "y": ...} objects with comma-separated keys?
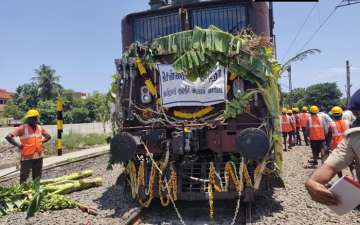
[{"x": 197, "y": 102}]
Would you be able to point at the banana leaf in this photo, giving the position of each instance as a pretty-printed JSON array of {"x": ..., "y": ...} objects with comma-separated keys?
[
  {"x": 36, "y": 199},
  {"x": 72, "y": 176}
]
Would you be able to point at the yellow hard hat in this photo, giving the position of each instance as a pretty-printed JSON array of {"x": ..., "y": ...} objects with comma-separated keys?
[
  {"x": 289, "y": 111},
  {"x": 284, "y": 110},
  {"x": 295, "y": 109},
  {"x": 336, "y": 110},
  {"x": 32, "y": 113},
  {"x": 304, "y": 108},
  {"x": 314, "y": 109}
]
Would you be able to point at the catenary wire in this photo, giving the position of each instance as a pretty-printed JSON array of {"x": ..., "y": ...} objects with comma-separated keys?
[
  {"x": 299, "y": 31},
  {"x": 320, "y": 26}
]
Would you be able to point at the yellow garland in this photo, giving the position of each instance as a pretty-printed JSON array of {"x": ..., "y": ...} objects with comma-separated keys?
[
  {"x": 172, "y": 186},
  {"x": 131, "y": 170},
  {"x": 194, "y": 115},
  {"x": 151, "y": 87},
  {"x": 230, "y": 172},
  {"x": 151, "y": 188},
  {"x": 137, "y": 180},
  {"x": 211, "y": 200},
  {"x": 140, "y": 66},
  {"x": 161, "y": 187},
  {"x": 212, "y": 184},
  {"x": 141, "y": 176},
  {"x": 173, "y": 181},
  {"x": 232, "y": 76},
  {"x": 248, "y": 181}
]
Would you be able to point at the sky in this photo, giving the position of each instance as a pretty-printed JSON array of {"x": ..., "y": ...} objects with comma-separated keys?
[{"x": 81, "y": 39}]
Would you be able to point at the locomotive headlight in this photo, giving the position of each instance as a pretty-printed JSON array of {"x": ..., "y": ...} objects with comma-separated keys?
[
  {"x": 145, "y": 95},
  {"x": 238, "y": 86}
]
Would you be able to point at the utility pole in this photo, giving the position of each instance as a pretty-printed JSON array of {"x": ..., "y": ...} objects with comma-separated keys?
[
  {"x": 290, "y": 83},
  {"x": 348, "y": 85}
]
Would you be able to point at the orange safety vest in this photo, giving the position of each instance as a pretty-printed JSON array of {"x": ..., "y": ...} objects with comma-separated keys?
[
  {"x": 285, "y": 124},
  {"x": 303, "y": 119},
  {"x": 31, "y": 141},
  {"x": 297, "y": 119},
  {"x": 316, "y": 128},
  {"x": 293, "y": 122},
  {"x": 338, "y": 129}
]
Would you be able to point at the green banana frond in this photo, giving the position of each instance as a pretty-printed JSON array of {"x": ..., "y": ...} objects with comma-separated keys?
[{"x": 238, "y": 104}]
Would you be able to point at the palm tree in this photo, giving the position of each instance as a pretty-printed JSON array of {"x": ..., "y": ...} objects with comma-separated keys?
[
  {"x": 299, "y": 57},
  {"x": 47, "y": 82}
]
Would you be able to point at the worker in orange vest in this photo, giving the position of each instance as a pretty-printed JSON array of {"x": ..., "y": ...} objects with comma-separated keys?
[
  {"x": 337, "y": 128},
  {"x": 32, "y": 136},
  {"x": 293, "y": 128},
  {"x": 303, "y": 116},
  {"x": 317, "y": 130},
  {"x": 298, "y": 126},
  {"x": 286, "y": 127}
]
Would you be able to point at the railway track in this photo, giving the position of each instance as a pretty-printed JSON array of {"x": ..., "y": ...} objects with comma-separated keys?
[
  {"x": 192, "y": 212},
  {"x": 14, "y": 174}
]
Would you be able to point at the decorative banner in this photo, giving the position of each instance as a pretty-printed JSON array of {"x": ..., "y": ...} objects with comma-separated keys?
[{"x": 176, "y": 90}]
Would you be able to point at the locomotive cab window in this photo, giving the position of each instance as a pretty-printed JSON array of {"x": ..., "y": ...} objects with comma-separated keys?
[
  {"x": 149, "y": 27},
  {"x": 228, "y": 18}
]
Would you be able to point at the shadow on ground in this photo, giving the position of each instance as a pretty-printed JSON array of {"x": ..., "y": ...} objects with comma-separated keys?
[{"x": 117, "y": 200}]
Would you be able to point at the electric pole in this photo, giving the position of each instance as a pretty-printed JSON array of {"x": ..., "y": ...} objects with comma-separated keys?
[
  {"x": 348, "y": 85},
  {"x": 290, "y": 83}
]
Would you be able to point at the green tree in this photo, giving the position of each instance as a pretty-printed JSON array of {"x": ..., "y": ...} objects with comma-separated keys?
[
  {"x": 47, "y": 111},
  {"x": 80, "y": 115},
  {"x": 26, "y": 96},
  {"x": 13, "y": 111},
  {"x": 95, "y": 104},
  {"x": 294, "y": 97},
  {"x": 104, "y": 112},
  {"x": 68, "y": 118},
  {"x": 47, "y": 82},
  {"x": 324, "y": 95}
]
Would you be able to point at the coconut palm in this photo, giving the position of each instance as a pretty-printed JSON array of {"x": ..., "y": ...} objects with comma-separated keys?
[
  {"x": 298, "y": 57},
  {"x": 47, "y": 82}
]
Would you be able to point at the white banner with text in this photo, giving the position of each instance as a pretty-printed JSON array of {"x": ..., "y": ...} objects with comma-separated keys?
[{"x": 176, "y": 90}]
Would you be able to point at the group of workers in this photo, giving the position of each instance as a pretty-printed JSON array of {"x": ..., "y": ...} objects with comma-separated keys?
[
  {"x": 292, "y": 122},
  {"x": 337, "y": 132},
  {"x": 323, "y": 131}
]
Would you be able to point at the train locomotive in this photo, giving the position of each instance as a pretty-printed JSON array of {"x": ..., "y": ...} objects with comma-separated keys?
[{"x": 197, "y": 102}]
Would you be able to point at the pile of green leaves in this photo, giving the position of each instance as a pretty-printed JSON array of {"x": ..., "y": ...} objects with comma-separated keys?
[{"x": 46, "y": 194}]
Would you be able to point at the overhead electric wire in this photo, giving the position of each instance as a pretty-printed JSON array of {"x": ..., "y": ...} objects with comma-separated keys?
[
  {"x": 348, "y": 2},
  {"x": 299, "y": 31},
  {"x": 320, "y": 26}
]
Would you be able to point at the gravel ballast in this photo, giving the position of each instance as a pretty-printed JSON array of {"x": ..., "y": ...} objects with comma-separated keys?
[{"x": 291, "y": 205}]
